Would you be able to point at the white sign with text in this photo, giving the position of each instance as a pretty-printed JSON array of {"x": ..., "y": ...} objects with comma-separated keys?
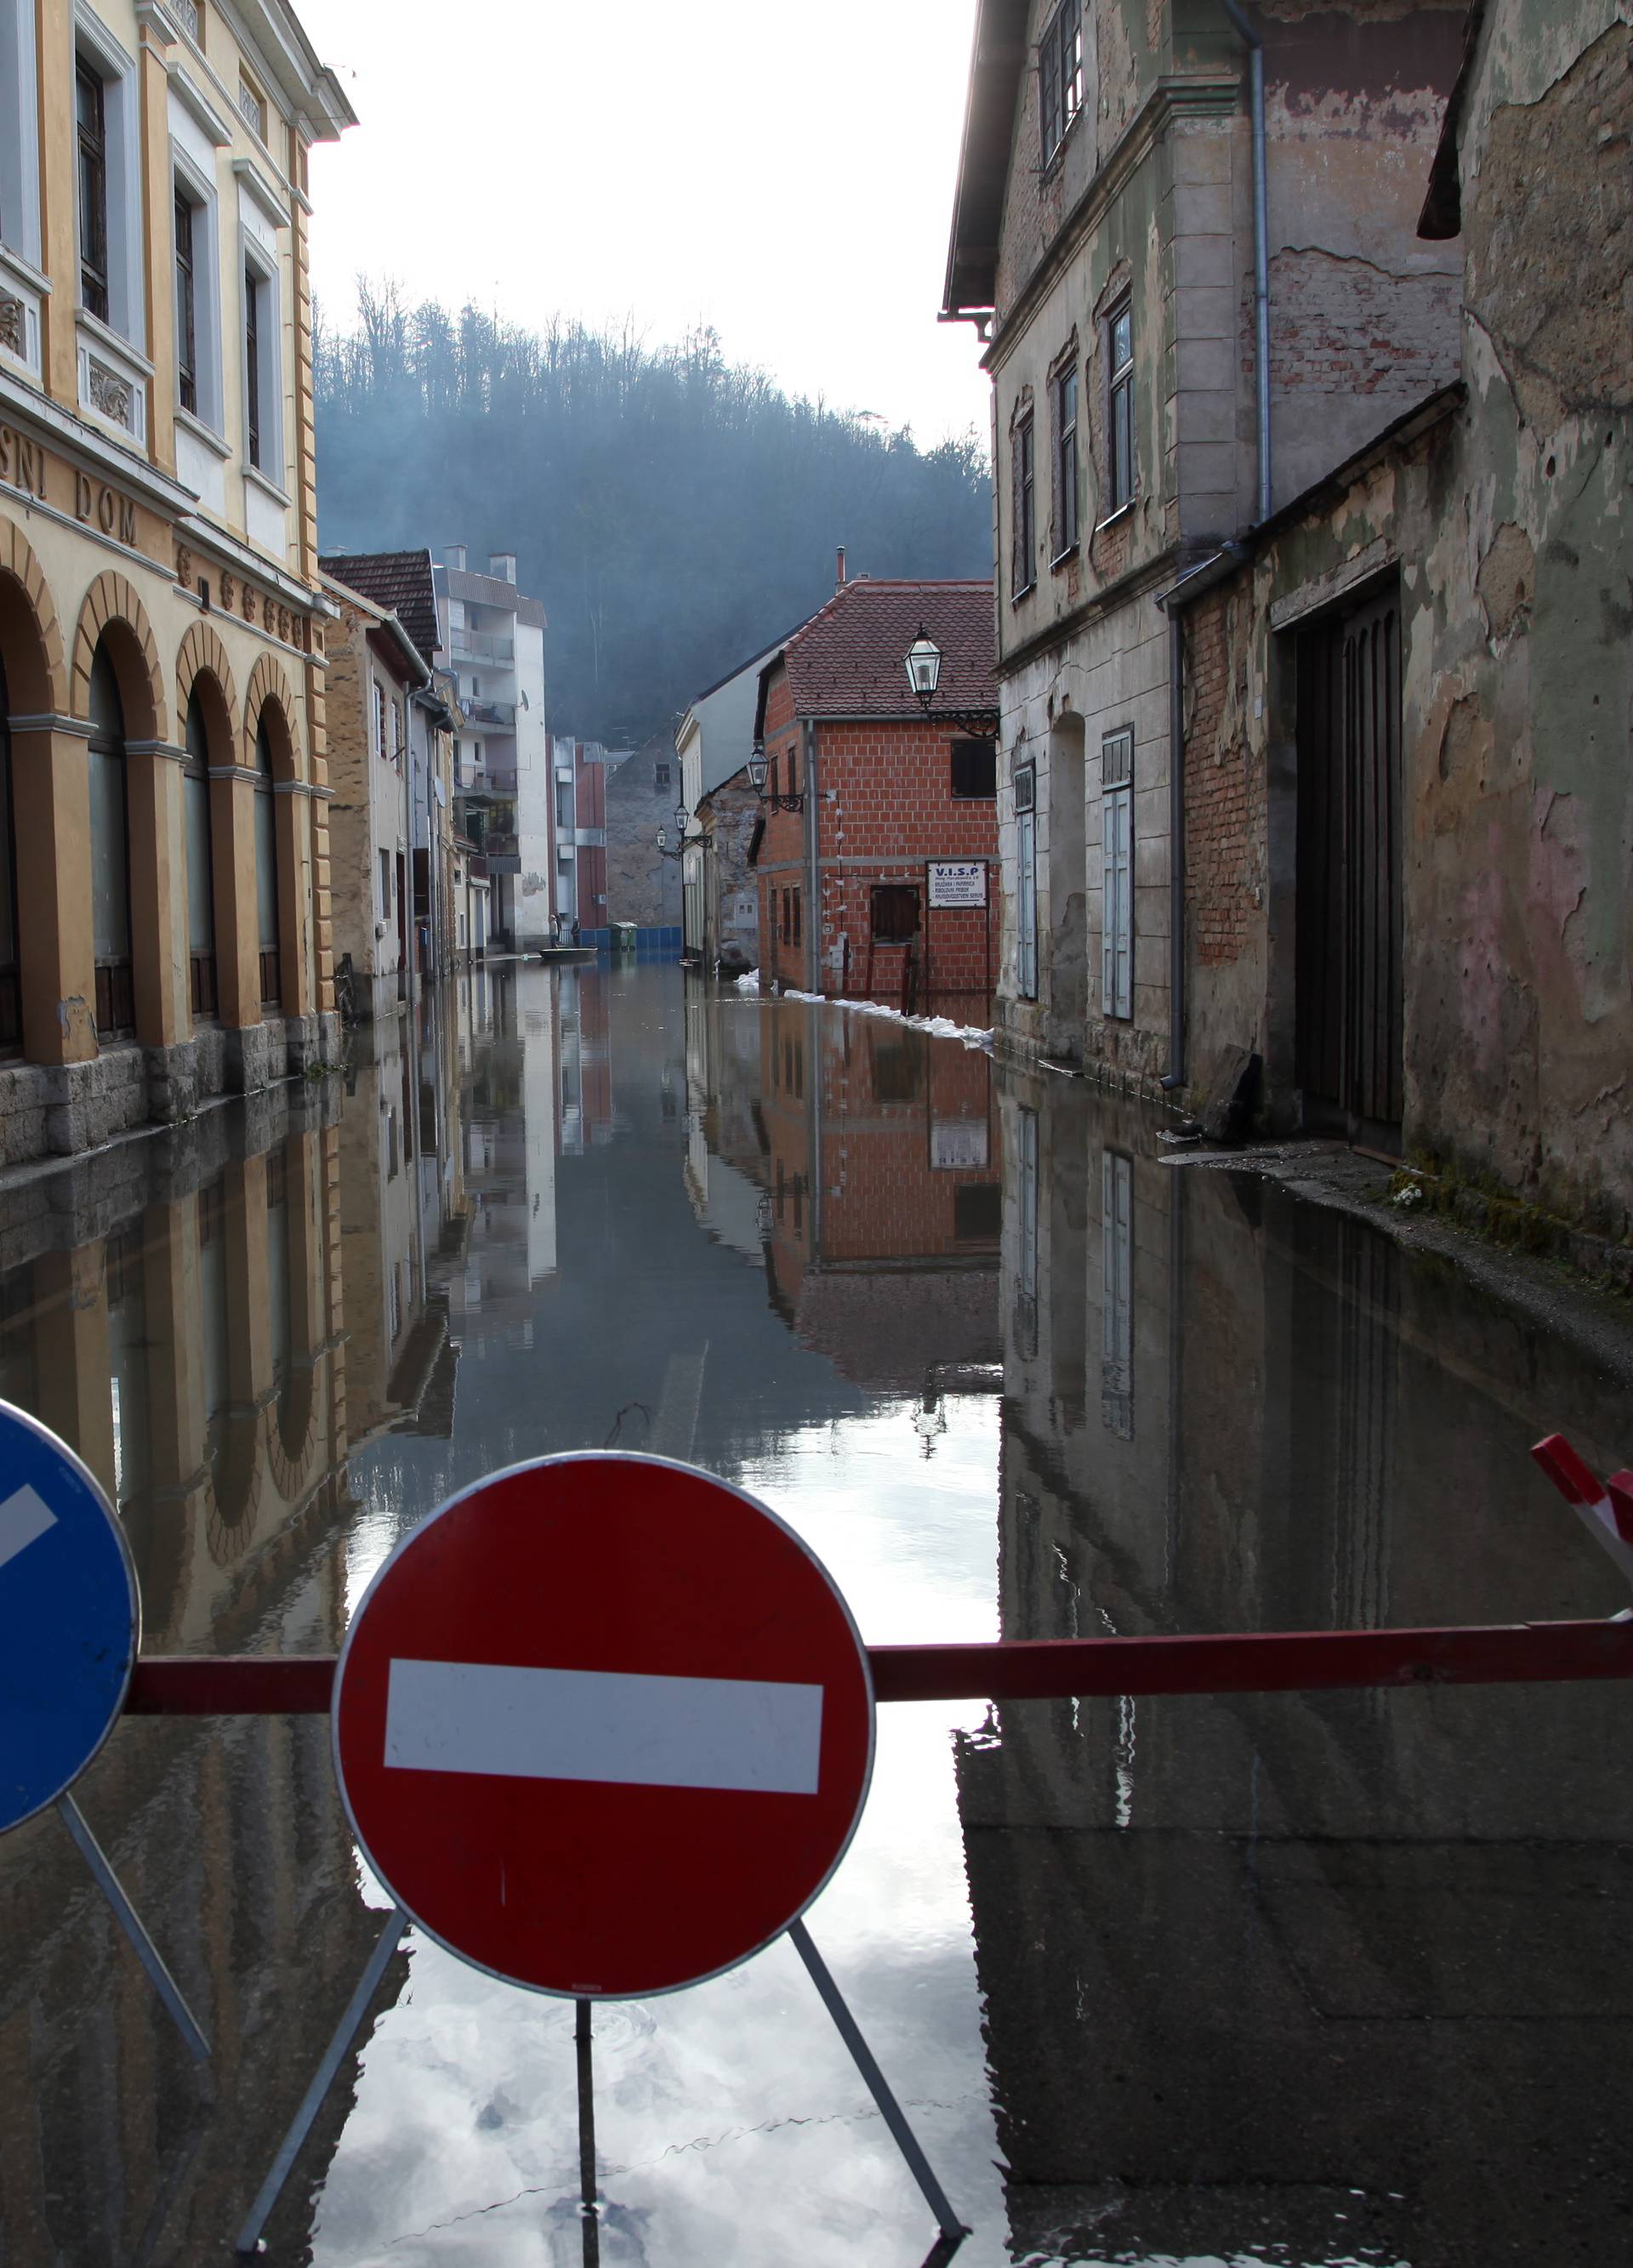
[{"x": 958, "y": 883}]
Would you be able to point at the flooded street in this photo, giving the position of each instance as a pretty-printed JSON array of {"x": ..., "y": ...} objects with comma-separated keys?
[{"x": 1323, "y": 1978}]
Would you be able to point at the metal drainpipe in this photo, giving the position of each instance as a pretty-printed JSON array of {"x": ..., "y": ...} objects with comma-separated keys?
[
  {"x": 1262, "y": 246},
  {"x": 1255, "y": 45},
  {"x": 813, "y": 852},
  {"x": 1175, "y": 1076}
]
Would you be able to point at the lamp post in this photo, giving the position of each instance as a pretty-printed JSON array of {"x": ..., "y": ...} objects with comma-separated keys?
[
  {"x": 922, "y": 662},
  {"x": 758, "y": 770}
]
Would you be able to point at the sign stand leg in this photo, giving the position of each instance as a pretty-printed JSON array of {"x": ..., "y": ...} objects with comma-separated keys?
[
  {"x": 907, "y": 2141},
  {"x": 590, "y": 2212},
  {"x": 322, "y": 2079},
  {"x": 126, "y": 1915}
]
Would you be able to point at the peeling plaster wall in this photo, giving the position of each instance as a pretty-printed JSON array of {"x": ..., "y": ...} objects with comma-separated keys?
[
  {"x": 1150, "y": 194},
  {"x": 1509, "y": 525}
]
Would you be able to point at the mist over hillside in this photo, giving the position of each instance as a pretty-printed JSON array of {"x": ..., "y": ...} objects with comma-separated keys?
[{"x": 673, "y": 513}]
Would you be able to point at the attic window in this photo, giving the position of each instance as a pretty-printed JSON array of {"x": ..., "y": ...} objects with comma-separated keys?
[{"x": 1061, "y": 74}]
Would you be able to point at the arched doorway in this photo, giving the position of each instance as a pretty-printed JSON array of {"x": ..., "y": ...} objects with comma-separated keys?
[
  {"x": 266, "y": 869},
  {"x": 201, "y": 864},
  {"x": 11, "y": 988},
  {"x": 110, "y": 853}
]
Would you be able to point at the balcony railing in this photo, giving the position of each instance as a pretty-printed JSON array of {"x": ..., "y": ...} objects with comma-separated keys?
[
  {"x": 481, "y": 646},
  {"x": 502, "y": 713}
]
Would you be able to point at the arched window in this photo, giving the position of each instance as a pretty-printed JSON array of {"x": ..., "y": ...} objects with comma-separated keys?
[
  {"x": 110, "y": 853},
  {"x": 266, "y": 869},
  {"x": 11, "y": 1002},
  {"x": 201, "y": 870}
]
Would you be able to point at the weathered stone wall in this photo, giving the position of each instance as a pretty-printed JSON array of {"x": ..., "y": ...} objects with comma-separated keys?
[
  {"x": 1506, "y": 523},
  {"x": 642, "y": 792}
]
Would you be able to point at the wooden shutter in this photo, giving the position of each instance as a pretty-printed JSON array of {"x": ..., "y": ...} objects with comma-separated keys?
[{"x": 1117, "y": 902}]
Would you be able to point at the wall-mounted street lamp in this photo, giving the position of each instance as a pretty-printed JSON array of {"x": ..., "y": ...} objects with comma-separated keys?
[
  {"x": 758, "y": 770},
  {"x": 682, "y": 821},
  {"x": 922, "y": 661}
]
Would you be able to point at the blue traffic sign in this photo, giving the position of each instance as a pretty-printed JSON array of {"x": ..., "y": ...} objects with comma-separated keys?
[{"x": 69, "y": 1617}]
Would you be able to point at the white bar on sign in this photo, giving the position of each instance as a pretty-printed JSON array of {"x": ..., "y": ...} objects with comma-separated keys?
[
  {"x": 601, "y": 1725},
  {"x": 23, "y": 1518}
]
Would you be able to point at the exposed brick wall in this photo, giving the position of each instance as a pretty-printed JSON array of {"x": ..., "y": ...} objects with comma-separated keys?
[
  {"x": 886, "y": 808},
  {"x": 1224, "y": 785}
]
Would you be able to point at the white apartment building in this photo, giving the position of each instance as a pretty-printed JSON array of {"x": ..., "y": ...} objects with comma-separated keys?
[{"x": 492, "y": 638}]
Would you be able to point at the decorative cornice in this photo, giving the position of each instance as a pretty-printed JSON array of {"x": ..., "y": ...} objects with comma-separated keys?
[
  {"x": 260, "y": 191},
  {"x": 198, "y": 106},
  {"x": 76, "y": 727},
  {"x": 1189, "y": 94},
  {"x": 156, "y": 748}
]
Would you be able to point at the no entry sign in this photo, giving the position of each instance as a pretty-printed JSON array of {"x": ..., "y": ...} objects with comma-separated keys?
[
  {"x": 68, "y": 1617},
  {"x": 603, "y": 1725}
]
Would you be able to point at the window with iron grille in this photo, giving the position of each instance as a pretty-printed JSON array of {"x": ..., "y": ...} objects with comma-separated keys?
[
  {"x": 895, "y": 913},
  {"x": 1061, "y": 74},
  {"x": 1064, "y": 392},
  {"x": 93, "y": 120},
  {"x": 1023, "y": 528},
  {"x": 1119, "y": 446},
  {"x": 187, "y": 327},
  {"x": 975, "y": 769},
  {"x": 201, "y": 878}
]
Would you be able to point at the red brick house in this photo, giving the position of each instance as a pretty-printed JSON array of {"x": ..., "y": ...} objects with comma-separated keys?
[{"x": 877, "y": 864}]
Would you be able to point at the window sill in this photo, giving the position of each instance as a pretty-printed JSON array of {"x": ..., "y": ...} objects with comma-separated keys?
[
  {"x": 1121, "y": 513},
  {"x": 21, "y": 270},
  {"x": 266, "y": 485},
  {"x": 1026, "y": 591},
  {"x": 1052, "y": 163},
  {"x": 191, "y": 422},
  {"x": 1063, "y": 558},
  {"x": 115, "y": 342}
]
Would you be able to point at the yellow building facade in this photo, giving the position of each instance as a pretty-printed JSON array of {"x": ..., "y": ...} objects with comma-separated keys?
[{"x": 164, "y": 857}]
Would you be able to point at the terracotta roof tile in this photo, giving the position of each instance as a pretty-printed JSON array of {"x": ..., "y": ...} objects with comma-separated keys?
[
  {"x": 848, "y": 660},
  {"x": 399, "y": 581}
]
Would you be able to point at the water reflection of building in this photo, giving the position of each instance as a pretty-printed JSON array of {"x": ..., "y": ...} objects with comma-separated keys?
[
  {"x": 174, "y": 1311},
  {"x": 874, "y": 1151},
  {"x": 508, "y": 1104},
  {"x": 1243, "y": 1958}
]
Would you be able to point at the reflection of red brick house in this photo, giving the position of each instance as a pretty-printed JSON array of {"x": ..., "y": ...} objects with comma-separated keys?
[
  {"x": 890, "y": 1267},
  {"x": 892, "y": 834}
]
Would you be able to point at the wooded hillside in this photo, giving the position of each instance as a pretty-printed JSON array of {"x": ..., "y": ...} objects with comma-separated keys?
[{"x": 673, "y": 513}]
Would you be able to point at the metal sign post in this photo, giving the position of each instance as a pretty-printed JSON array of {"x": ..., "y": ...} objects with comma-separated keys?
[
  {"x": 578, "y": 1672},
  {"x": 70, "y": 1624}
]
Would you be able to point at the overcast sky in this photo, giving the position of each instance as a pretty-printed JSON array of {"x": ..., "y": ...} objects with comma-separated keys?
[{"x": 782, "y": 171}]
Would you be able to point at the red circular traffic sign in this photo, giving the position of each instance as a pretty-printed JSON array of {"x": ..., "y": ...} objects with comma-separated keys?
[{"x": 603, "y": 1725}]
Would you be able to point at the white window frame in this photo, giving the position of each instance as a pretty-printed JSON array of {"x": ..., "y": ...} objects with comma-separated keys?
[
  {"x": 256, "y": 253},
  {"x": 1117, "y": 873},
  {"x": 377, "y": 717},
  {"x": 1026, "y": 788},
  {"x": 198, "y": 188},
  {"x": 115, "y": 67},
  {"x": 19, "y": 134}
]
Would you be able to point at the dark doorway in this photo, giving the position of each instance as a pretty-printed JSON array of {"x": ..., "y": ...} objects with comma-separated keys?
[{"x": 1349, "y": 1010}]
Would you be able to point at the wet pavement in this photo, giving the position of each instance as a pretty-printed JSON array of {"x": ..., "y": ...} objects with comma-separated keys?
[{"x": 1328, "y": 1978}]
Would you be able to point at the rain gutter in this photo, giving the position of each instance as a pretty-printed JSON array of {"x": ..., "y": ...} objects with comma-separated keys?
[
  {"x": 1218, "y": 567},
  {"x": 1261, "y": 247}
]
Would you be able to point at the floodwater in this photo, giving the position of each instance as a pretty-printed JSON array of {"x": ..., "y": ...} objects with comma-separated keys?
[{"x": 1326, "y": 1978}]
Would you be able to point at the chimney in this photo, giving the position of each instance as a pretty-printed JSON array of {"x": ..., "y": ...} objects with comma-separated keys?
[
  {"x": 453, "y": 556},
  {"x": 503, "y": 565},
  {"x": 838, "y": 568}
]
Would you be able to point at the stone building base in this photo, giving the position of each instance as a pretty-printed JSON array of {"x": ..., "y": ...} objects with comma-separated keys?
[{"x": 58, "y": 1110}]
